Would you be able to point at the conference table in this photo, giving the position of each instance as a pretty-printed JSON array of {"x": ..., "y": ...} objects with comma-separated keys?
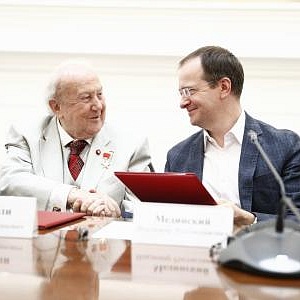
[{"x": 60, "y": 263}]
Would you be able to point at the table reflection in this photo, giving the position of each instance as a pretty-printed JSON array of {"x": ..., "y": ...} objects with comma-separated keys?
[
  {"x": 74, "y": 267},
  {"x": 72, "y": 275},
  {"x": 249, "y": 286},
  {"x": 208, "y": 293},
  {"x": 178, "y": 264},
  {"x": 16, "y": 255},
  {"x": 60, "y": 265}
]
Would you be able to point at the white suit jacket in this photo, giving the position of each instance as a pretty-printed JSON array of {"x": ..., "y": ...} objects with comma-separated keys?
[{"x": 34, "y": 164}]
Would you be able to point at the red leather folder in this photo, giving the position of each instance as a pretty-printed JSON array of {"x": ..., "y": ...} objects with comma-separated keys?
[
  {"x": 166, "y": 187},
  {"x": 48, "y": 219}
]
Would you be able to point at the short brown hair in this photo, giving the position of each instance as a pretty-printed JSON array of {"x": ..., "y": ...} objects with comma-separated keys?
[{"x": 217, "y": 63}]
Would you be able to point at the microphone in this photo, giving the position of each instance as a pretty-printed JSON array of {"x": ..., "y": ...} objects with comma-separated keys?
[
  {"x": 270, "y": 247},
  {"x": 284, "y": 199}
]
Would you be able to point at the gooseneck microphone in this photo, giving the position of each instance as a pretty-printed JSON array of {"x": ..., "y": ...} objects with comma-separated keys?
[
  {"x": 270, "y": 248},
  {"x": 284, "y": 199}
]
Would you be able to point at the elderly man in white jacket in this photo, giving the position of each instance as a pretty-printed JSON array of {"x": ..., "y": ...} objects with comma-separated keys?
[{"x": 39, "y": 157}]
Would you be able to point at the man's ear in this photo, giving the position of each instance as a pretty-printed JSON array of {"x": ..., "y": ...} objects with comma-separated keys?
[
  {"x": 54, "y": 105},
  {"x": 225, "y": 87}
]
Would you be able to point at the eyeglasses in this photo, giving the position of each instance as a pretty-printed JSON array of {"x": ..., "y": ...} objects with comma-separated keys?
[{"x": 190, "y": 91}]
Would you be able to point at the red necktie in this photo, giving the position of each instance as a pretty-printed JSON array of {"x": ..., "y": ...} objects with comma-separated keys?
[{"x": 75, "y": 163}]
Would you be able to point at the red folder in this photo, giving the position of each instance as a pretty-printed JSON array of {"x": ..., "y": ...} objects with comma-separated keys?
[
  {"x": 48, "y": 219},
  {"x": 166, "y": 187}
]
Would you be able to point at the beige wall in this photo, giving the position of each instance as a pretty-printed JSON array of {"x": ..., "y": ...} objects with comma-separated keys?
[{"x": 136, "y": 45}]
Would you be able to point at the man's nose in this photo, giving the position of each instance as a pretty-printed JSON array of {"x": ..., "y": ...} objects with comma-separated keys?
[
  {"x": 97, "y": 102},
  {"x": 184, "y": 101}
]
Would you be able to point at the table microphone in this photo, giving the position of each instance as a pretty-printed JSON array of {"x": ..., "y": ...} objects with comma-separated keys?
[{"x": 270, "y": 248}]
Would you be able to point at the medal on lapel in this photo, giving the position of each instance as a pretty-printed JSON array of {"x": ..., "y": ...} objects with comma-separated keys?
[{"x": 106, "y": 158}]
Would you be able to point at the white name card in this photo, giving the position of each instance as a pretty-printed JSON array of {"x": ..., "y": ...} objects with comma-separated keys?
[
  {"x": 17, "y": 216},
  {"x": 181, "y": 224}
]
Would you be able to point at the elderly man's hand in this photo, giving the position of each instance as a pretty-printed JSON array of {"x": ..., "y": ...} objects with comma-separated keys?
[{"x": 93, "y": 203}]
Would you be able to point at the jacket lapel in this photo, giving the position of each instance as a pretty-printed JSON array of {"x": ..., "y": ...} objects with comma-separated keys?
[
  {"x": 197, "y": 156},
  {"x": 248, "y": 162},
  {"x": 51, "y": 152},
  {"x": 95, "y": 166}
]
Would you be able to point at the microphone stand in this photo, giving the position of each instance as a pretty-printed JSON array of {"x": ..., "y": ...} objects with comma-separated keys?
[
  {"x": 284, "y": 199},
  {"x": 262, "y": 249}
]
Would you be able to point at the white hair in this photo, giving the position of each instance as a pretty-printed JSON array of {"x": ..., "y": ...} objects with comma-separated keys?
[{"x": 68, "y": 69}]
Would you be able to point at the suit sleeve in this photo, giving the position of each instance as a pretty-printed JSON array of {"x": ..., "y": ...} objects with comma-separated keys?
[{"x": 19, "y": 176}]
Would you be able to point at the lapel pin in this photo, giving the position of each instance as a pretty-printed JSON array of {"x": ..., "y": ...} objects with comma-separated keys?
[{"x": 106, "y": 158}]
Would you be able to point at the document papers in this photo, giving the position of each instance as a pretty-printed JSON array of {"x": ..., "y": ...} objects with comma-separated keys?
[{"x": 116, "y": 230}]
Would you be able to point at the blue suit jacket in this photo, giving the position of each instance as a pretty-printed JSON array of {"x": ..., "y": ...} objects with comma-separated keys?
[{"x": 258, "y": 189}]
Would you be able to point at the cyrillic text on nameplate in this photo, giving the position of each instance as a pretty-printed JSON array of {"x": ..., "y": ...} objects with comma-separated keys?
[
  {"x": 17, "y": 216},
  {"x": 182, "y": 224}
]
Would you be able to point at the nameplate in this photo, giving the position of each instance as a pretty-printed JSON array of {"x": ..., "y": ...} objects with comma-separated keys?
[
  {"x": 182, "y": 224},
  {"x": 17, "y": 216}
]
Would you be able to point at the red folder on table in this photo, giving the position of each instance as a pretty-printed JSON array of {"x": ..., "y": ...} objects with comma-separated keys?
[
  {"x": 166, "y": 187},
  {"x": 48, "y": 219}
]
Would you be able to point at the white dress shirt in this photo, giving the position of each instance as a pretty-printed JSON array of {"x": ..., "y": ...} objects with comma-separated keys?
[
  {"x": 221, "y": 164},
  {"x": 60, "y": 194},
  {"x": 65, "y": 140}
]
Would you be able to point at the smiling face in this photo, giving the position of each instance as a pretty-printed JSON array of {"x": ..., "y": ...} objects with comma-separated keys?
[
  {"x": 201, "y": 101},
  {"x": 79, "y": 104}
]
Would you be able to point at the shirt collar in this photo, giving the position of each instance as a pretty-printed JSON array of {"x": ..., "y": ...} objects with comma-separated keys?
[
  {"x": 237, "y": 130},
  {"x": 239, "y": 127},
  {"x": 65, "y": 137}
]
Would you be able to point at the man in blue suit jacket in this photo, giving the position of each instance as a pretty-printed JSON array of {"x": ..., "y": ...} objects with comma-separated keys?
[{"x": 221, "y": 153}]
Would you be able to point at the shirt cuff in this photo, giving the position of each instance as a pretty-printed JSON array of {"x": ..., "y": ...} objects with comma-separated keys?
[
  {"x": 58, "y": 198},
  {"x": 255, "y": 219}
]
